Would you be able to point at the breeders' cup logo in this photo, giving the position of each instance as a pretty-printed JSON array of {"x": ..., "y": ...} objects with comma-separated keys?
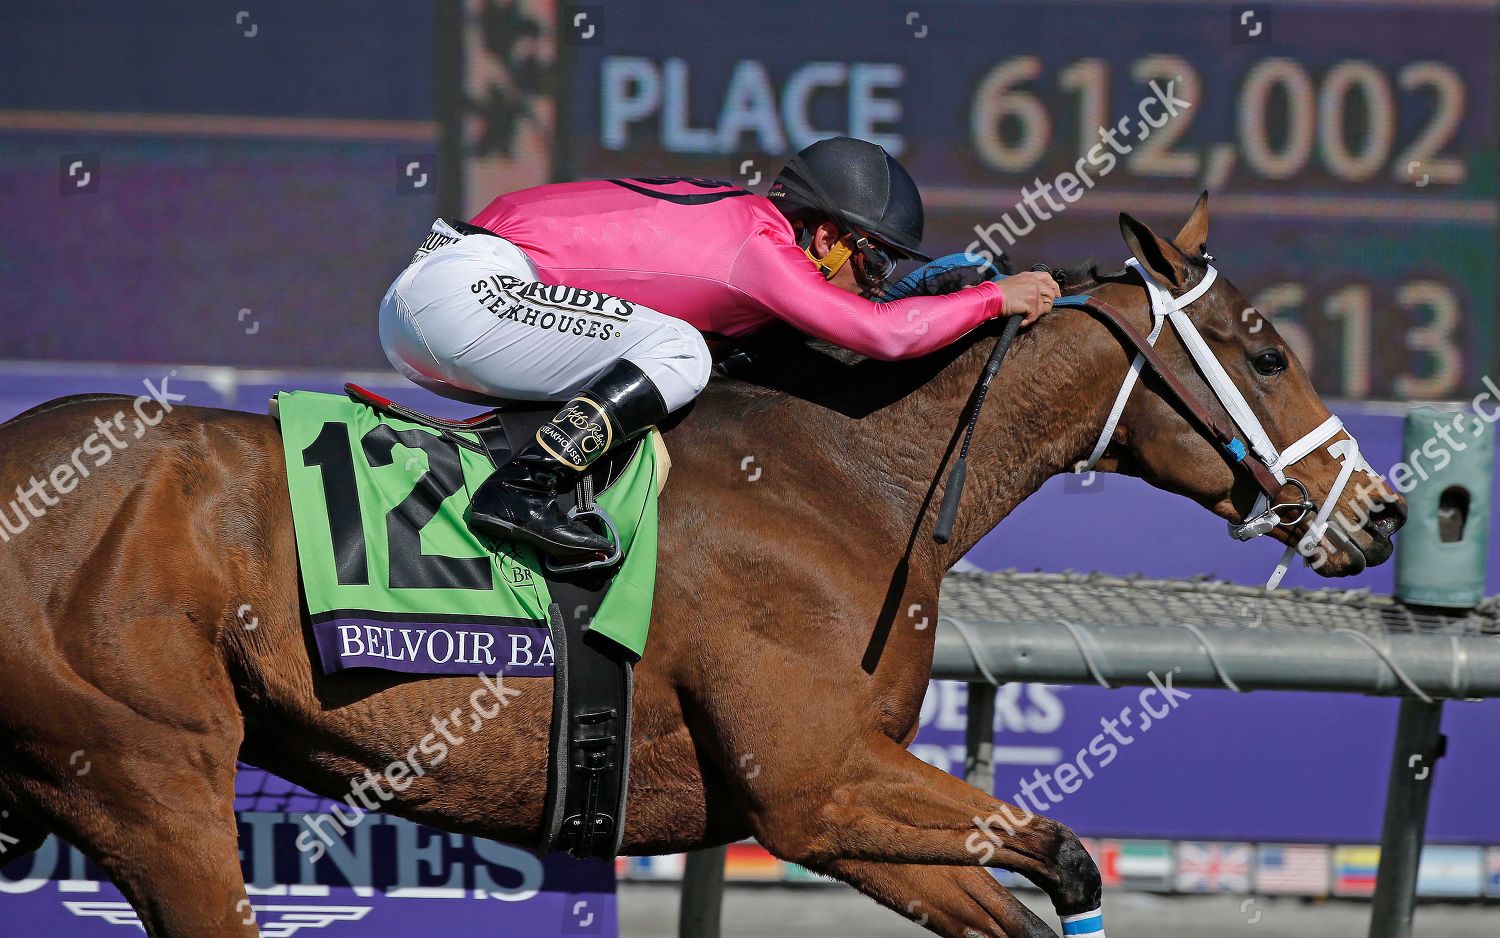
[
  {"x": 578, "y": 434},
  {"x": 563, "y": 309}
]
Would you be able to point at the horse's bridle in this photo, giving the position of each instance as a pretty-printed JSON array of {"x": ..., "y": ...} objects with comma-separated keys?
[{"x": 1260, "y": 458}]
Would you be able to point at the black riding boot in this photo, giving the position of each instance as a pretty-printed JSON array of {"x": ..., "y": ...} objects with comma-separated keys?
[{"x": 519, "y": 501}]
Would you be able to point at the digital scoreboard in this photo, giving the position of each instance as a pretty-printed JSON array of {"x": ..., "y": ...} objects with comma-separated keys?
[{"x": 1349, "y": 148}]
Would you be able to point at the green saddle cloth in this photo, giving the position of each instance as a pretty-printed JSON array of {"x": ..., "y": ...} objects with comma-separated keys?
[{"x": 392, "y": 575}]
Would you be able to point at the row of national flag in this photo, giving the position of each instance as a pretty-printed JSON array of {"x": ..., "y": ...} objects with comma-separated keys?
[{"x": 1182, "y": 866}]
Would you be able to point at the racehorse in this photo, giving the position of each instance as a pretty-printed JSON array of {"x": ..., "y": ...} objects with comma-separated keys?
[{"x": 789, "y": 653}]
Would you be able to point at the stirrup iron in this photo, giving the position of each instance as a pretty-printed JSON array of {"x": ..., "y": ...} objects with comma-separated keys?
[{"x": 605, "y": 525}]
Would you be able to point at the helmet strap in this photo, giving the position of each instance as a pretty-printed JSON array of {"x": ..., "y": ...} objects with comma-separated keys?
[{"x": 832, "y": 262}]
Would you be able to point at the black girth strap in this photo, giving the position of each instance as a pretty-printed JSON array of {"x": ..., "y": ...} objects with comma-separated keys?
[
  {"x": 588, "y": 761},
  {"x": 588, "y": 769}
]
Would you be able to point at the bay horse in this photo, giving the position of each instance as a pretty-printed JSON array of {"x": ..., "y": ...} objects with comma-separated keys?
[{"x": 788, "y": 656}]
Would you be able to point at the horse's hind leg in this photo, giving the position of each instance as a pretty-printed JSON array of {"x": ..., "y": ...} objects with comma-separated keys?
[
  {"x": 153, "y": 805},
  {"x": 19, "y": 833},
  {"x": 137, "y": 771},
  {"x": 180, "y": 869},
  {"x": 157, "y": 814}
]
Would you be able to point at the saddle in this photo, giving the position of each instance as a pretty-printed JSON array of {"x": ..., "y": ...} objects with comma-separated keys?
[{"x": 589, "y": 748}]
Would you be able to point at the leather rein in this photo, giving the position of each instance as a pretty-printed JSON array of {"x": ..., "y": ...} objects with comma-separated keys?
[
  {"x": 1259, "y": 456},
  {"x": 1215, "y": 427}
]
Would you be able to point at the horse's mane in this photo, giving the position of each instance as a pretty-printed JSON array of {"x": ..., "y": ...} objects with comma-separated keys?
[
  {"x": 68, "y": 401},
  {"x": 781, "y": 361},
  {"x": 1086, "y": 276}
]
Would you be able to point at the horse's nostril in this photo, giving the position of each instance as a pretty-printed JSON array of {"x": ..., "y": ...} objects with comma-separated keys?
[{"x": 1389, "y": 516}]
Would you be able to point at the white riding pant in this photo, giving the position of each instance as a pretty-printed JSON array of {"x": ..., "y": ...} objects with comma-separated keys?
[{"x": 468, "y": 319}]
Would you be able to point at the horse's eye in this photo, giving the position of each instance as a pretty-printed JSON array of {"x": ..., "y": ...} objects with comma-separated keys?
[{"x": 1270, "y": 362}]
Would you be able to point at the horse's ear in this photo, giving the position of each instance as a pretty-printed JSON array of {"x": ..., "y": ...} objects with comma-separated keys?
[
  {"x": 1193, "y": 238},
  {"x": 1162, "y": 258}
]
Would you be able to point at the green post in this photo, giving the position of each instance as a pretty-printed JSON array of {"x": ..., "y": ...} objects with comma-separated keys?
[
  {"x": 702, "y": 900},
  {"x": 1448, "y": 460},
  {"x": 1448, "y": 464},
  {"x": 1419, "y": 745}
]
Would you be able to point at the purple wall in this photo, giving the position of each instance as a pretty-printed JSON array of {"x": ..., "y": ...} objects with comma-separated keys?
[
  {"x": 1262, "y": 766},
  {"x": 396, "y": 877}
]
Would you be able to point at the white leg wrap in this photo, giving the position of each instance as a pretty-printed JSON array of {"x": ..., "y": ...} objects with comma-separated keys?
[{"x": 1086, "y": 925}]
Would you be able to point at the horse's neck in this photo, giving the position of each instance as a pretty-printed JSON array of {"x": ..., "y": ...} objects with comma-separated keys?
[{"x": 1043, "y": 413}]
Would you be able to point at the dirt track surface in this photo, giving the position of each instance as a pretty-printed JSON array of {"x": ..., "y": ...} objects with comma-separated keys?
[{"x": 650, "y": 911}]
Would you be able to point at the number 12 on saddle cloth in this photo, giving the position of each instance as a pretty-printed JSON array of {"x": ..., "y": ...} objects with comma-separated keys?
[{"x": 392, "y": 575}]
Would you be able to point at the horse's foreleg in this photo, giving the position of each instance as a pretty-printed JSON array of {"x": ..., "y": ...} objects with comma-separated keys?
[
  {"x": 886, "y": 805},
  {"x": 954, "y": 901}
]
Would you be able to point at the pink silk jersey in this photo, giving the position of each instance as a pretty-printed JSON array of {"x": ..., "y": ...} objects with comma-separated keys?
[{"x": 718, "y": 257}]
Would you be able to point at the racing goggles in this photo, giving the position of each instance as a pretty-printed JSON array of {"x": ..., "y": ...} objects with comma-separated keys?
[{"x": 876, "y": 263}]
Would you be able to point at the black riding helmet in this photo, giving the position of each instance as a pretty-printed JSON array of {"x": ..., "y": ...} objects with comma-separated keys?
[{"x": 858, "y": 186}]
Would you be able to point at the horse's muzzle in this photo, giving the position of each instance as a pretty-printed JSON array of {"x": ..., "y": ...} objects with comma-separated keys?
[{"x": 1386, "y": 518}]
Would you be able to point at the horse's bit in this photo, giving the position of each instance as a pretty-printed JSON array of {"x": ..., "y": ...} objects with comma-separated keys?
[{"x": 1261, "y": 458}]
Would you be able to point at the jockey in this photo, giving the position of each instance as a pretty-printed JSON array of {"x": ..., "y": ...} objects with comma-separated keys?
[{"x": 600, "y": 294}]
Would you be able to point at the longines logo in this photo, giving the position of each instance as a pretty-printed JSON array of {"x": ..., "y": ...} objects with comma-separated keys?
[
  {"x": 275, "y": 921},
  {"x": 387, "y": 883}
]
